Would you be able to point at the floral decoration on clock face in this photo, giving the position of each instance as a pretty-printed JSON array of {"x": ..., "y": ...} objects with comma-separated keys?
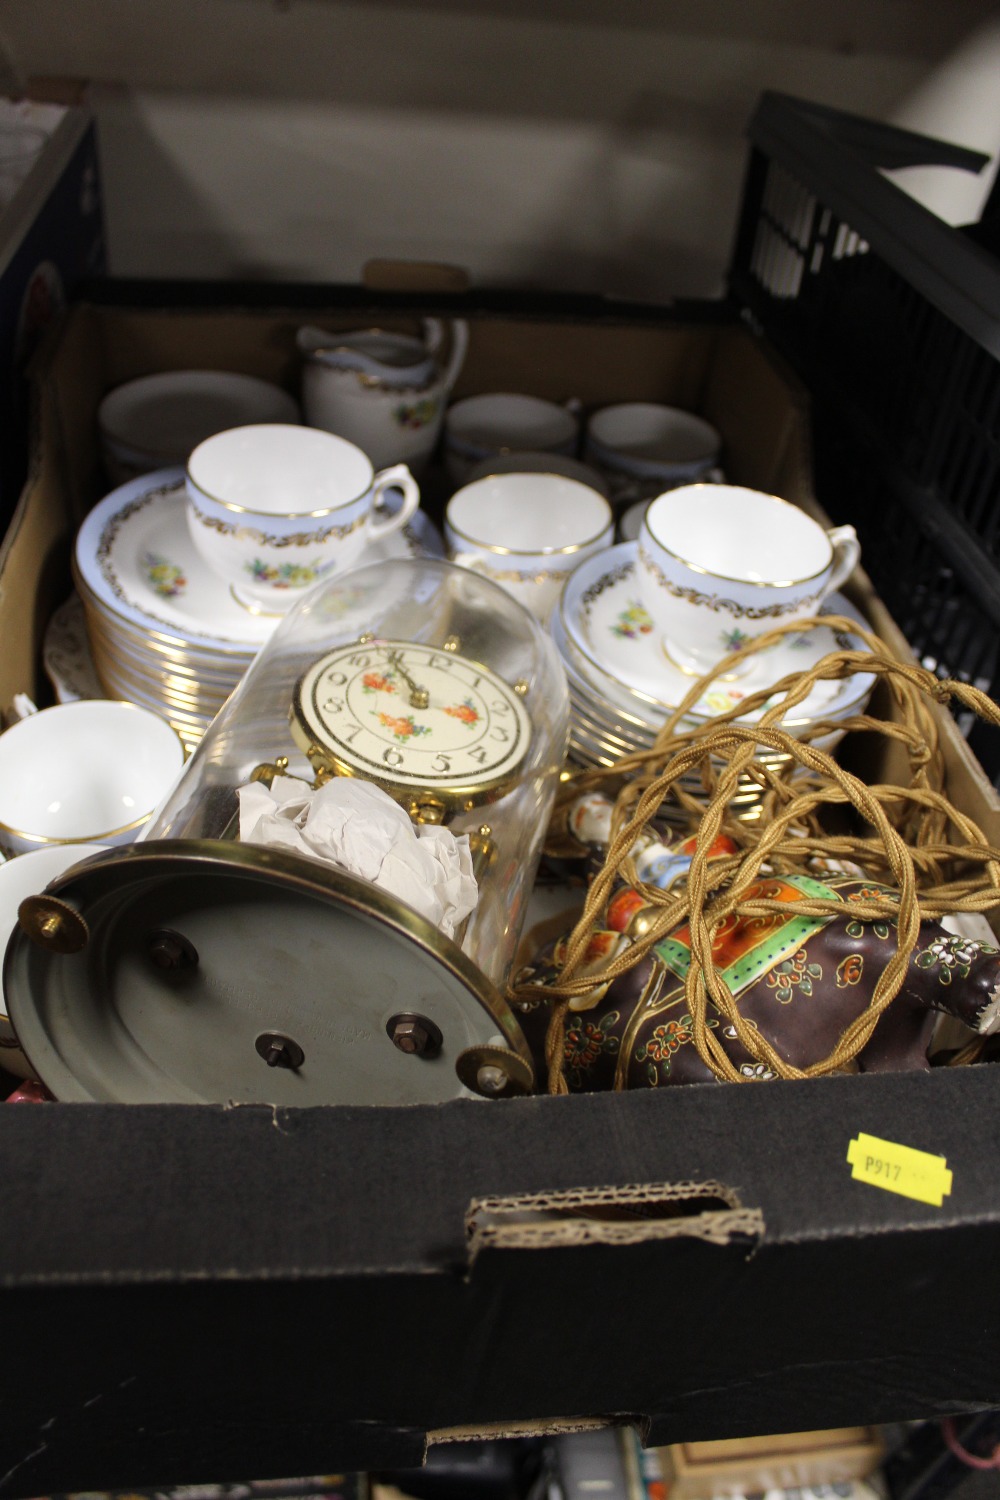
[{"x": 414, "y": 714}]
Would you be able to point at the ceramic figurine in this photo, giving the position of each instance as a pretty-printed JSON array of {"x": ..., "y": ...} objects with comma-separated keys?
[{"x": 800, "y": 980}]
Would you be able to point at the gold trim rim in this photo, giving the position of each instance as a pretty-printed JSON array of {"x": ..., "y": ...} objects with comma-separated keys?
[
  {"x": 306, "y": 877},
  {"x": 536, "y": 551},
  {"x": 574, "y": 645},
  {"x": 783, "y": 583},
  {"x": 96, "y": 838},
  {"x": 456, "y": 797},
  {"x": 278, "y": 515},
  {"x": 138, "y": 633}
]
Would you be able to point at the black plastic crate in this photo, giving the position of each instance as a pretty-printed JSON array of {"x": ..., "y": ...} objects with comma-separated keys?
[{"x": 892, "y": 319}]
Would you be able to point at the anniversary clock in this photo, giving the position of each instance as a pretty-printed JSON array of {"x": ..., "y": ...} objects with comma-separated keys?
[
  {"x": 440, "y": 732},
  {"x": 194, "y": 967}
]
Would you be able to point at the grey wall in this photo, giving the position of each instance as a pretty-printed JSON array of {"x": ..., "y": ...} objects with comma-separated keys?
[{"x": 590, "y": 144}]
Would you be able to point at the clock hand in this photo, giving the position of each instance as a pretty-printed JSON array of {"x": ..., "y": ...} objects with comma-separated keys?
[{"x": 419, "y": 696}]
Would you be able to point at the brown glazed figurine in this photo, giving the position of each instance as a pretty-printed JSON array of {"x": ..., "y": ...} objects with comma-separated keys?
[{"x": 800, "y": 980}]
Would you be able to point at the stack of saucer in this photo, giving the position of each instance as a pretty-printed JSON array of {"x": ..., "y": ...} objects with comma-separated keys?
[
  {"x": 166, "y": 632},
  {"x": 622, "y": 685}
]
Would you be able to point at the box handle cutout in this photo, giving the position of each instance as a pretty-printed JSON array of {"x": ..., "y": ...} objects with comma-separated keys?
[{"x": 630, "y": 1215}]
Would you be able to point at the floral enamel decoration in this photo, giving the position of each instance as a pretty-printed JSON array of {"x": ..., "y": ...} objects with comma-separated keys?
[
  {"x": 585, "y": 1042},
  {"x": 283, "y": 575},
  {"x": 465, "y": 712},
  {"x": 795, "y": 974},
  {"x": 735, "y": 639},
  {"x": 403, "y": 728},
  {"x": 165, "y": 578},
  {"x": 632, "y": 622},
  {"x": 412, "y": 715},
  {"x": 664, "y": 1040},
  {"x": 850, "y": 970},
  {"x": 951, "y": 956},
  {"x": 414, "y": 415}
]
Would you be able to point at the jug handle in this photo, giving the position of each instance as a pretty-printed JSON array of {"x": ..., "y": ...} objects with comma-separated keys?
[
  {"x": 434, "y": 332},
  {"x": 314, "y": 342}
]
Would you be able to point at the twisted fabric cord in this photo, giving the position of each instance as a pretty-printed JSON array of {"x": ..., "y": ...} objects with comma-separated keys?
[{"x": 936, "y": 858}]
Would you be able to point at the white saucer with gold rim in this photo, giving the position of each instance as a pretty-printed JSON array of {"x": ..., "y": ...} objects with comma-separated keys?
[
  {"x": 135, "y": 557},
  {"x": 610, "y": 640}
]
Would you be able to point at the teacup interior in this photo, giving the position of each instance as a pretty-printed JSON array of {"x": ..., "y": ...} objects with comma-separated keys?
[
  {"x": 85, "y": 770},
  {"x": 663, "y": 434},
  {"x": 739, "y": 534},
  {"x": 528, "y": 513},
  {"x": 280, "y": 470},
  {"x": 507, "y": 420}
]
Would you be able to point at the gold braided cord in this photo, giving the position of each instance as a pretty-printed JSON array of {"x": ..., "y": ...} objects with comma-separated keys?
[{"x": 909, "y": 836}]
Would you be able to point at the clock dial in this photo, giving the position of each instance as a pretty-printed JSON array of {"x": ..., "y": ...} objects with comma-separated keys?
[{"x": 413, "y": 715}]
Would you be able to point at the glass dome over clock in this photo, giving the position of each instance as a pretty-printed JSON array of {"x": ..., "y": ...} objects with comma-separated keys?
[
  {"x": 425, "y": 678},
  {"x": 201, "y": 964}
]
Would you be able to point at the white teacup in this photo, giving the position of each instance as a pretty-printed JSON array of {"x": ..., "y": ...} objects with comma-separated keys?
[
  {"x": 84, "y": 772},
  {"x": 527, "y": 532},
  {"x": 719, "y": 565},
  {"x": 644, "y": 447},
  {"x": 19, "y": 878},
  {"x": 479, "y": 427},
  {"x": 274, "y": 508}
]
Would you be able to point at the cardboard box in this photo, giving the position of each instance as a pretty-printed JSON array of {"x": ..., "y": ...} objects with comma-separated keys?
[
  {"x": 51, "y": 239},
  {"x": 731, "y": 1469},
  {"x": 189, "y": 1293}
]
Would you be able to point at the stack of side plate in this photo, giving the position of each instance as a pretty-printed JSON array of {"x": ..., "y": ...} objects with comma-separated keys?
[
  {"x": 623, "y": 686},
  {"x": 164, "y": 630}
]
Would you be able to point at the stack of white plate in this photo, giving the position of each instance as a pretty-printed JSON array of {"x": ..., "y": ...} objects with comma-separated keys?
[
  {"x": 623, "y": 686},
  {"x": 164, "y": 630}
]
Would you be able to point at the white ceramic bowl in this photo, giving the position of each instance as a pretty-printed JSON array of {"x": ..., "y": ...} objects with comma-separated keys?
[
  {"x": 157, "y": 420},
  {"x": 92, "y": 771},
  {"x": 28, "y": 876}
]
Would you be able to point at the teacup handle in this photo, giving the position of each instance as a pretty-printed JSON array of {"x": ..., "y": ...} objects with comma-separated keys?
[
  {"x": 398, "y": 477},
  {"x": 846, "y": 554}
]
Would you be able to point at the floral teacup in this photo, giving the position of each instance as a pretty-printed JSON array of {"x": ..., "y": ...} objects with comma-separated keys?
[
  {"x": 719, "y": 564},
  {"x": 274, "y": 508}
]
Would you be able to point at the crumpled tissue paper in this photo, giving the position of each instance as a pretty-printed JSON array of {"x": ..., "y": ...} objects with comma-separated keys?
[{"x": 357, "y": 827}]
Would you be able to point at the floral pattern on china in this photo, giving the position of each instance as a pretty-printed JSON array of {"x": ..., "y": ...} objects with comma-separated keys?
[
  {"x": 135, "y": 557},
  {"x": 604, "y": 621}
]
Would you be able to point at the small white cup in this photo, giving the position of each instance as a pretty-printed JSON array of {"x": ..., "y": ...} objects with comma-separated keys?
[
  {"x": 20, "y": 878},
  {"x": 274, "y": 508},
  {"x": 479, "y": 427},
  {"x": 84, "y": 772},
  {"x": 718, "y": 565},
  {"x": 527, "y": 532},
  {"x": 645, "y": 448}
]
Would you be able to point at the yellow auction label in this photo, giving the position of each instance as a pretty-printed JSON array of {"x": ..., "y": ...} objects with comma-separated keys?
[{"x": 899, "y": 1169}]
